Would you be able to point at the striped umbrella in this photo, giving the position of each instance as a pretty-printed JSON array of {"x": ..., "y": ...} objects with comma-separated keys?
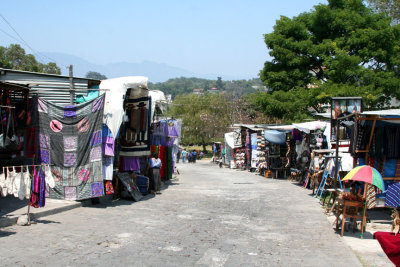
[{"x": 366, "y": 174}]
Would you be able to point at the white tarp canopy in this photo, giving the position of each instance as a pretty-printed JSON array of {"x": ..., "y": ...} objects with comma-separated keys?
[
  {"x": 280, "y": 127},
  {"x": 113, "y": 106},
  {"x": 387, "y": 112},
  {"x": 230, "y": 139},
  {"x": 309, "y": 126},
  {"x": 157, "y": 98}
]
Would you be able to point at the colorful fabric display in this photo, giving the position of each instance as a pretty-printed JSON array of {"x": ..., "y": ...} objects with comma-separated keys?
[
  {"x": 70, "y": 140},
  {"x": 135, "y": 140},
  {"x": 393, "y": 195},
  {"x": 38, "y": 198},
  {"x": 108, "y": 168},
  {"x": 370, "y": 197},
  {"x": 108, "y": 188},
  {"x": 131, "y": 163}
]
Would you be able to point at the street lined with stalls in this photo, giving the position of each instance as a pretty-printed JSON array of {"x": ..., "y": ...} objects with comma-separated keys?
[{"x": 207, "y": 216}]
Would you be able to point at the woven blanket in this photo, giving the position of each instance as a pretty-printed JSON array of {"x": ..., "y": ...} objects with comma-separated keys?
[
  {"x": 135, "y": 141},
  {"x": 393, "y": 195},
  {"x": 70, "y": 140}
]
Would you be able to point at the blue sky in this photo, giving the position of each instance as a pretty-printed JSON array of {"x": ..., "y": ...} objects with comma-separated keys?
[{"x": 209, "y": 36}]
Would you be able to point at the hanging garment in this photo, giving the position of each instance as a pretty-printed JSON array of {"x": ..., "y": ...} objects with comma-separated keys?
[
  {"x": 17, "y": 183},
  {"x": 3, "y": 184},
  {"x": 393, "y": 195},
  {"x": 138, "y": 142},
  {"x": 108, "y": 188},
  {"x": 392, "y": 142},
  {"x": 108, "y": 168},
  {"x": 10, "y": 180},
  {"x": 131, "y": 163},
  {"x": 49, "y": 176},
  {"x": 70, "y": 139},
  {"x": 27, "y": 181},
  {"x": 168, "y": 159},
  {"x": 370, "y": 197},
  {"x": 162, "y": 155},
  {"x": 38, "y": 197}
]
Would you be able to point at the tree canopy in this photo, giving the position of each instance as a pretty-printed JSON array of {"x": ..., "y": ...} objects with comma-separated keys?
[
  {"x": 390, "y": 7},
  {"x": 204, "y": 117},
  {"x": 339, "y": 49},
  {"x": 184, "y": 85},
  {"x": 95, "y": 75},
  {"x": 14, "y": 57}
]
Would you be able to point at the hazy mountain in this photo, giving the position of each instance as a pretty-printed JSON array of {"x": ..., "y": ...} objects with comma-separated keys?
[{"x": 156, "y": 72}]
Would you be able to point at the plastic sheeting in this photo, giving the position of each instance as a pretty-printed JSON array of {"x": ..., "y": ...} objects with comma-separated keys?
[
  {"x": 275, "y": 137},
  {"x": 310, "y": 126},
  {"x": 113, "y": 106},
  {"x": 157, "y": 98}
]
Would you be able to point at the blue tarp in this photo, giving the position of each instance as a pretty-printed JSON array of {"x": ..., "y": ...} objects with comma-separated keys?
[{"x": 275, "y": 137}]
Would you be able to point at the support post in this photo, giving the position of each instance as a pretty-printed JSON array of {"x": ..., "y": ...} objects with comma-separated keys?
[{"x": 71, "y": 85}]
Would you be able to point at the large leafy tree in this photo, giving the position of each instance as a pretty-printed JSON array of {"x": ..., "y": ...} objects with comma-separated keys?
[
  {"x": 339, "y": 49},
  {"x": 14, "y": 57},
  {"x": 204, "y": 117},
  {"x": 95, "y": 75},
  {"x": 390, "y": 7}
]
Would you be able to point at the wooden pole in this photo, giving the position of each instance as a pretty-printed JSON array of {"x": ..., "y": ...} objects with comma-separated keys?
[
  {"x": 337, "y": 155},
  {"x": 71, "y": 85}
]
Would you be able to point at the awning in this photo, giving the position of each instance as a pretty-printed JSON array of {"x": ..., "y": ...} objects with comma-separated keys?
[
  {"x": 307, "y": 127},
  {"x": 275, "y": 137}
]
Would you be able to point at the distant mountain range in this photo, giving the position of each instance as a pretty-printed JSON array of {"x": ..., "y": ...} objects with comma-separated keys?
[{"x": 156, "y": 72}]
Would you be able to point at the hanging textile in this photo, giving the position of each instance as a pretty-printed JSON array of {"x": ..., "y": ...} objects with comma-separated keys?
[
  {"x": 135, "y": 140},
  {"x": 162, "y": 150},
  {"x": 70, "y": 139},
  {"x": 393, "y": 195},
  {"x": 131, "y": 163},
  {"x": 169, "y": 163},
  {"x": 253, "y": 150},
  {"x": 248, "y": 149},
  {"x": 370, "y": 197},
  {"x": 38, "y": 198}
]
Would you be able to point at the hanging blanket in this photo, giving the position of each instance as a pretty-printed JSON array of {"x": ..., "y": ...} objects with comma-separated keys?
[
  {"x": 70, "y": 141},
  {"x": 393, "y": 195},
  {"x": 390, "y": 245},
  {"x": 136, "y": 136}
]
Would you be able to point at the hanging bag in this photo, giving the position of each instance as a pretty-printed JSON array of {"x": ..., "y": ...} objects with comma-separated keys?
[
  {"x": 12, "y": 140},
  {"x": 2, "y": 135}
]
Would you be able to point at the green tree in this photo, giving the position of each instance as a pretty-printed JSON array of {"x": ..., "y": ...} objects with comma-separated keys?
[
  {"x": 14, "y": 57},
  {"x": 204, "y": 117},
  {"x": 51, "y": 68},
  {"x": 339, "y": 49},
  {"x": 95, "y": 75},
  {"x": 390, "y": 7},
  {"x": 219, "y": 84}
]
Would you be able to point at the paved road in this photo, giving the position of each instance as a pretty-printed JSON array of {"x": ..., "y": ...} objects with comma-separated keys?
[{"x": 210, "y": 217}]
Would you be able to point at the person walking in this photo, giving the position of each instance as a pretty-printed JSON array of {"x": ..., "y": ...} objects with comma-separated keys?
[
  {"x": 154, "y": 167},
  {"x": 194, "y": 156},
  {"x": 184, "y": 155},
  {"x": 178, "y": 155}
]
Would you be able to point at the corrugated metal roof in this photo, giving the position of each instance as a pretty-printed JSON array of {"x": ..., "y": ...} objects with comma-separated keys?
[{"x": 54, "y": 88}]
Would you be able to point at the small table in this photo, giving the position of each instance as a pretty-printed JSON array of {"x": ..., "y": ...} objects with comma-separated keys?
[{"x": 343, "y": 204}]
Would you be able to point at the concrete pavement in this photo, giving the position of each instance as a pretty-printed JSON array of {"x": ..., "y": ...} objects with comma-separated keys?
[{"x": 210, "y": 217}]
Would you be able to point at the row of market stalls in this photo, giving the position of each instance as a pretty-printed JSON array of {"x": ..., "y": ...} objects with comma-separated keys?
[
  {"x": 83, "y": 142},
  {"x": 307, "y": 152}
]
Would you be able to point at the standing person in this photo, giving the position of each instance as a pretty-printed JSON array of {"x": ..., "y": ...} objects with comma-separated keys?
[
  {"x": 194, "y": 155},
  {"x": 184, "y": 155},
  {"x": 201, "y": 155},
  {"x": 178, "y": 155},
  {"x": 190, "y": 157},
  {"x": 154, "y": 167}
]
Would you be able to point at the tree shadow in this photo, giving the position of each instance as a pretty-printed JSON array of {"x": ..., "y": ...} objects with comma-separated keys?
[{"x": 6, "y": 233}]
